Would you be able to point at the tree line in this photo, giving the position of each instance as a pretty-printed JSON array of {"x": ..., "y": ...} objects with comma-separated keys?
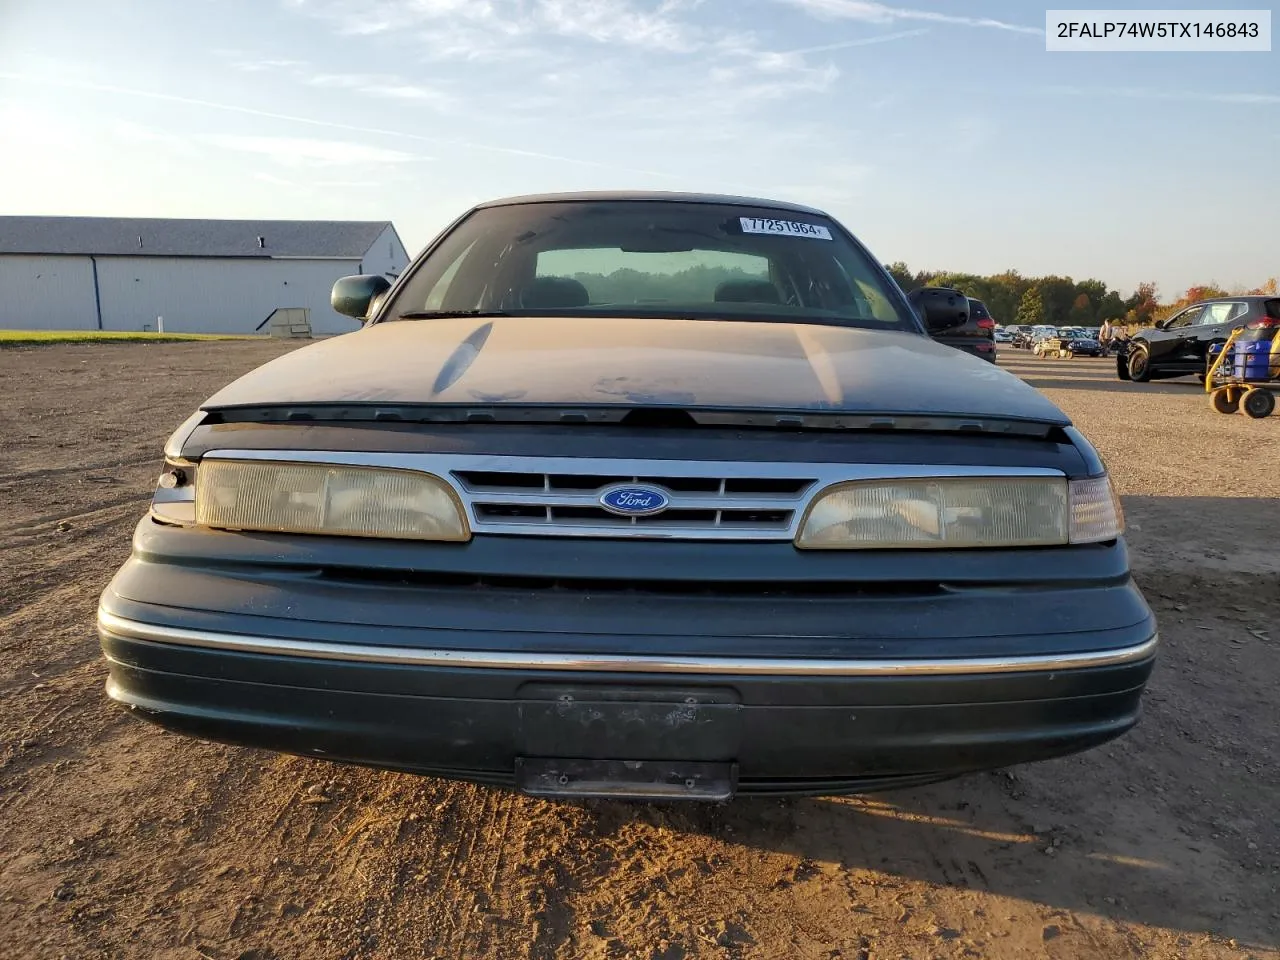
[
  {"x": 1062, "y": 301},
  {"x": 1011, "y": 297},
  {"x": 627, "y": 285}
]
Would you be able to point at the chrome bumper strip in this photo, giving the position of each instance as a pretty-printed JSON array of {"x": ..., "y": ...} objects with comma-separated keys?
[{"x": 112, "y": 625}]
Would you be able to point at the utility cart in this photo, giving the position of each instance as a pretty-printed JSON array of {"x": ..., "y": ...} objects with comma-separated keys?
[{"x": 1243, "y": 376}]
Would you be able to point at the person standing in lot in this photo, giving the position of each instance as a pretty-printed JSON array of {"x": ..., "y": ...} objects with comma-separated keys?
[{"x": 1105, "y": 335}]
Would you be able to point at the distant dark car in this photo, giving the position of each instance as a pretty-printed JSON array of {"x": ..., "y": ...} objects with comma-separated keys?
[
  {"x": 976, "y": 336},
  {"x": 1083, "y": 347},
  {"x": 1182, "y": 344},
  {"x": 1069, "y": 345}
]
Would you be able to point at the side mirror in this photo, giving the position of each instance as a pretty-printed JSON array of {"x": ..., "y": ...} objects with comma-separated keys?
[
  {"x": 354, "y": 296},
  {"x": 941, "y": 308}
]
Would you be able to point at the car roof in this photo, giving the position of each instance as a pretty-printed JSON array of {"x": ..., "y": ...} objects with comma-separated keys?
[
  {"x": 599, "y": 196},
  {"x": 1245, "y": 297}
]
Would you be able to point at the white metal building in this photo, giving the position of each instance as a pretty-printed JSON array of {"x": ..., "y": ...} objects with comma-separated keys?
[{"x": 201, "y": 276}]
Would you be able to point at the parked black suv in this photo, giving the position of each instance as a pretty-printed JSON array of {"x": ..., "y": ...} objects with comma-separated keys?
[
  {"x": 977, "y": 335},
  {"x": 1181, "y": 344}
]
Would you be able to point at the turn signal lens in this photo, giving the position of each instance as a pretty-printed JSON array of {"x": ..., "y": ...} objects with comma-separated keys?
[
  {"x": 1095, "y": 511},
  {"x": 327, "y": 499}
]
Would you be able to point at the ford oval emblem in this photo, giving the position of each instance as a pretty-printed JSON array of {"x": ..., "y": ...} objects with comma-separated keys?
[{"x": 634, "y": 500}]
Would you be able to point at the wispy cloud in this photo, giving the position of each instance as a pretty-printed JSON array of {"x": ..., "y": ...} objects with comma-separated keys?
[
  {"x": 699, "y": 77},
  {"x": 793, "y": 64},
  {"x": 475, "y": 29},
  {"x": 829, "y": 186},
  {"x": 739, "y": 87},
  {"x": 969, "y": 134},
  {"x": 260, "y": 66},
  {"x": 286, "y": 151},
  {"x": 618, "y": 21},
  {"x": 859, "y": 42},
  {"x": 137, "y": 133},
  {"x": 705, "y": 70},
  {"x": 438, "y": 142},
  {"x": 868, "y": 11},
  {"x": 1181, "y": 96},
  {"x": 310, "y": 186},
  {"x": 380, "y": 85},
  {"x": 275, "y": 181},
  {"x": 301, "y": 151},
  {"x": 385, "y": 85}
]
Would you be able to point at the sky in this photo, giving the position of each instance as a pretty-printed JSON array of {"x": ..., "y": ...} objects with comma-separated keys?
[{"x": 940, "y": 132}]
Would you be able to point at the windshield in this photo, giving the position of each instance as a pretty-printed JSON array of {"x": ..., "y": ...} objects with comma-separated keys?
[{"x": 652, "y": 259}]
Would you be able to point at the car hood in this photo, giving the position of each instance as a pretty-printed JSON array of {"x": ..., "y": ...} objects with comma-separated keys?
[{"x": 590, "y": 361}]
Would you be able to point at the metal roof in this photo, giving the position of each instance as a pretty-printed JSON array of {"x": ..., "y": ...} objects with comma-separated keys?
[
  {"x": 608, "y": 195},
  {"x": 124, "y": 236}
]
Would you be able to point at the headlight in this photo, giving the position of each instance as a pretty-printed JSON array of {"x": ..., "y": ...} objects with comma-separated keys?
[
  {"x": 961, "y": 512},
  {"x": 327, "y": 499}
]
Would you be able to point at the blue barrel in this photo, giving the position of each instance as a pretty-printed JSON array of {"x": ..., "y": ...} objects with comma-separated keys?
[{"x": 1252, "y": 360}]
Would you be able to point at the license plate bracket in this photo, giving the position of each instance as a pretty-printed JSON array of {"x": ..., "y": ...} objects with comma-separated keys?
[
  {"x": 608, "y": 722},
  {"x": 626, "y": 779}
]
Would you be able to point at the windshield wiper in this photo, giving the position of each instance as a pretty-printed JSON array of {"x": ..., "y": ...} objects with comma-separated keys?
[{"x": 446, "y": 314}]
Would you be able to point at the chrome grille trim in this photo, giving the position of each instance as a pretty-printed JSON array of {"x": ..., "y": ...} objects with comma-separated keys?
[
  {"x": 555, "y": 500},
  {"x": 480, "y": 500},
  {"x": 112, "y": 626}
]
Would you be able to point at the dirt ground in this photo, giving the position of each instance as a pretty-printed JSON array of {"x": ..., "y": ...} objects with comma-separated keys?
[{"x": 120, "y": 840}]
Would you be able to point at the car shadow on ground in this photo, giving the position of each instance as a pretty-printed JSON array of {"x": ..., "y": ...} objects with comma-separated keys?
[
  {"x": 1172, "y": 825},
  {"x": 967, "y": 834},
  {"x": 1182, "y": 387},
  {"x": 1088, "y": 373}
]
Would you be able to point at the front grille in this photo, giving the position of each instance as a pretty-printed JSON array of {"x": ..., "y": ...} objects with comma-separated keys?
[
  {"x": 491, "y": 480},
  {"x": 525, "y": 502}
]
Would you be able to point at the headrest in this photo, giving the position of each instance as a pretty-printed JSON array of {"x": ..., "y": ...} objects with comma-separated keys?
[
  {"x": 549, "y": 293},
  {"x": 747, "y": 291}
]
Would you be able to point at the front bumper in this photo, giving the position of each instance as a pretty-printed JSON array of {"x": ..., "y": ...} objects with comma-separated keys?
[{"x": 714, "y": 694}]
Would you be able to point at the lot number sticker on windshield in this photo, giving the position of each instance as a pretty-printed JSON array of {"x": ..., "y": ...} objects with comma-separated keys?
[{"x": 786, "y": 228}]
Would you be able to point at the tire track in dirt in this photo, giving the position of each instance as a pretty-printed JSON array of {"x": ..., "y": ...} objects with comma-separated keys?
[
  {"x": 494, "y": 865},
  {"x": 79, "y": 471},
  {"x": 90, "y": 517},
  {"x": 66, "y": 565}
]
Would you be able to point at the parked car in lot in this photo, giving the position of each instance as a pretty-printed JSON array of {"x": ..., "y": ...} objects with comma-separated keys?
[
  {"x": 535, "y": 526},
  {"x": 1002, "y": 335},
  {"x": 1023, "y": 335},
  {"x": 1067, "y": 346},
  {"x": 1182, "y": 344},
  {"x": 1081, "y": 346}
]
